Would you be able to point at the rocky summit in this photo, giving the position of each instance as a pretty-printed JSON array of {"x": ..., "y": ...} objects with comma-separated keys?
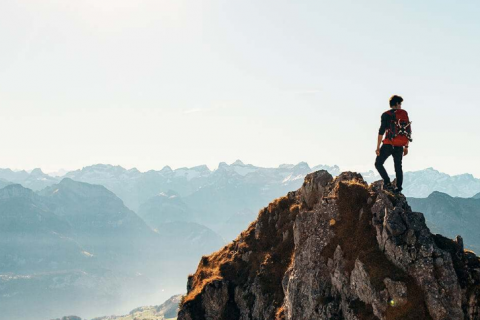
[{"x": 337, "y": 248}]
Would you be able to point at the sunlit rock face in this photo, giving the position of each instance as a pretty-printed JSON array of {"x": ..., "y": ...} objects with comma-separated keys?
[{"x": 337, "y": 248}]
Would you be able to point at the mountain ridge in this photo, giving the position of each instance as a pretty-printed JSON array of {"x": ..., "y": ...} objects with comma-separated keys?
[
  {"x": 135, "y": 187},
  {"x": 336, "y": 249},
  {"x": 451, "y": 216}
]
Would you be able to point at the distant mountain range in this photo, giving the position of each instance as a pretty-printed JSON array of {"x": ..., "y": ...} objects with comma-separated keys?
[
  {"x": 422, "y": 183},
  {"x": 213, "y": 197},
  {"x": 227, "y": 199},
  {"x": 451, "y": 216},
  {"x": 135, "y": 187},
  {"x": 34, "y": 179}
]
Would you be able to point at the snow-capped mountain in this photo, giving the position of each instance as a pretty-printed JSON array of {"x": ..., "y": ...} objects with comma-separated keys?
[
  {"x": 35, "y": 179},
  {"x": 135, "y": 187},
  {"x": 423, "y": 182}
]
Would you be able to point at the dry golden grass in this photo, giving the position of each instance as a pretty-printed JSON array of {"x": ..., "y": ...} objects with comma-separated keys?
[
  {"x": 208, "y": 271},
  {"x": 269, "y": 256},
  {"x": 280, "y": 314}
]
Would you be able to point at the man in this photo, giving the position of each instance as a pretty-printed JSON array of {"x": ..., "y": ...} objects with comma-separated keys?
[{"x": 396, "y": 127}]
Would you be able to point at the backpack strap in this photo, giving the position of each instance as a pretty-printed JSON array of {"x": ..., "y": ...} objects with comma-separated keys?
[{"x": 391, "y": 133}]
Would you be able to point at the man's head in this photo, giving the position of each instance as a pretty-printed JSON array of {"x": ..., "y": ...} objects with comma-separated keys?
[{"x": 396, "y": 102}]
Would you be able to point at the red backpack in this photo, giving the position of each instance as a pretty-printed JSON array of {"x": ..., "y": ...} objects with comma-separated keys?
[{"x": 399, "y": 131}]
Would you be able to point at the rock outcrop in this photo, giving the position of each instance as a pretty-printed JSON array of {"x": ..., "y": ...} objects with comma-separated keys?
[{"x": 335, "y": 249}]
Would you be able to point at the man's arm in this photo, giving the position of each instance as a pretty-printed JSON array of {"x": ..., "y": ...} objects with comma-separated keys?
[
  {"x": 379, "y": 141},
  {"x": 381, "y": 132}
]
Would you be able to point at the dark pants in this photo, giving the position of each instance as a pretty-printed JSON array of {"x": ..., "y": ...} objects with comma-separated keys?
[{"x": 386, "y": 151}]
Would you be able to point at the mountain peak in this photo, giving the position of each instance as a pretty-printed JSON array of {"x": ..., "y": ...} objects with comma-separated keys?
[
  {"x": 336, "y": 246},
  {"x": 302, "y": 166},
  {"x": 69, "y": 182},
  {"x": 432, "y": 170},
  {"x": 166, "y": 169},
  {"x": 238, "y": 162},
  {"x": 104, "y": 167},
  {"x": 77, "y": 188},
  {"x": 201, "y": 168},
  {"x": 435, "y": 194},
  {"x": 222, "y": 165},
  {"x": 37, "y": 172},
  {"x": 466, "y": 176},
  {"x": 286, "y": 166},
  {"x": 16, "y": 191},
  {"x": 133, "y": 170}
]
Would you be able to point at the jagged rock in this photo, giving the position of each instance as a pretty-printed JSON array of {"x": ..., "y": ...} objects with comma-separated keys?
[
  {"x": 312, "y": 189},
  {"x": 397, "y": 292},
  {"x": 216, "y": 297},
  {"x": 336, "y": 249},
  {"x": 394, "y": 222},
  {"x": 364, "y": 290}
]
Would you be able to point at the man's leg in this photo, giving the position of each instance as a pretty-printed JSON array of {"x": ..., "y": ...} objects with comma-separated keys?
[
  {"x": 397, "y": 160},
  {"x": 385, "y": 152}
]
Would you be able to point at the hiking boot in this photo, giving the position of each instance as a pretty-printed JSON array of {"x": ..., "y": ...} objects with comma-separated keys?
[
  {"x": 388, "y": 187},
  {"x": 398, "y": 191}
]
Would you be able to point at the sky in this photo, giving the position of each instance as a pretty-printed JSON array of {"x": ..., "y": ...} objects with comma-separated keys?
[{"x": 181, "y": 83}]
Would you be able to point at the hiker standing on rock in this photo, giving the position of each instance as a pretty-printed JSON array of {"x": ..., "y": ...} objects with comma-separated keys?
[{"x": 397, "y": 130}]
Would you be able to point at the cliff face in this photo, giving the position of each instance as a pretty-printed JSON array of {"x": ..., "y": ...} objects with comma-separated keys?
[{"x": 336, "y": 249}]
